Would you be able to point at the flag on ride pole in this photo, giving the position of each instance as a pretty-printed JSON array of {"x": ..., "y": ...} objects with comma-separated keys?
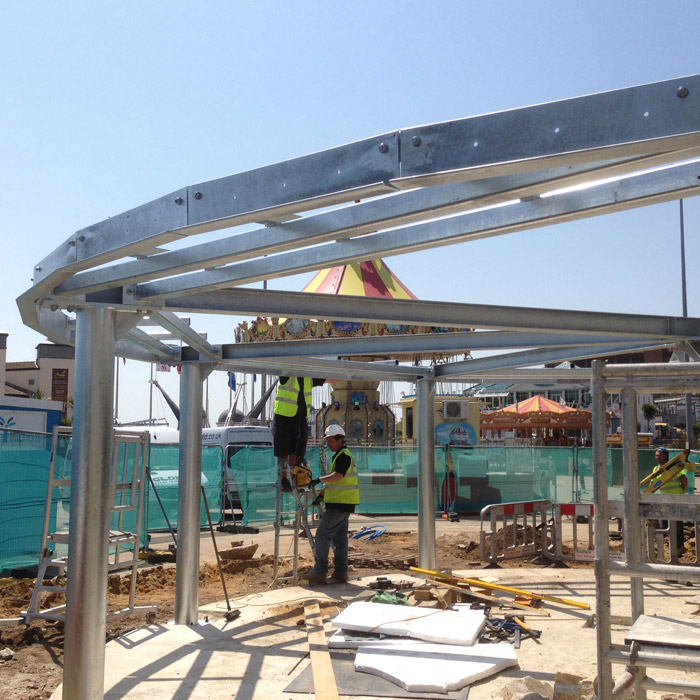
[{"x": 232, "y": 381}]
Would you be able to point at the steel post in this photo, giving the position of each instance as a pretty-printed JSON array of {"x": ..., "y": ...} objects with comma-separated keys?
[
  {"x": 632, "y": 526},
  {"x": 189, "y": 495},
  {"x": 426, "y": 473},
  {"x": 88, "y": 548},
  {"x": 602, "y": 543}
]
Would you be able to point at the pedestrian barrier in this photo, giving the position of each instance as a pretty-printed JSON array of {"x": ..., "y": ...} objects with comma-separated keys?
[
  {"x": 659, "y": 532},
  {"x": 515, "y": 529},
  {"x": 583, "y": 545}
]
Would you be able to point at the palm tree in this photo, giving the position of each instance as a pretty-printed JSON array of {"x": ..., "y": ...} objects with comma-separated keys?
[{"x": 649, "y": 411}]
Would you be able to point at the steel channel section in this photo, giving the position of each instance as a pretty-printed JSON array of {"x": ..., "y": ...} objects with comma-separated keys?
[
  {"x": 632, "y": 117},
  {"x": 641, "y": 190},
  {"x": 355, "y": 220},
  {"x": 435, "y": 342},
  {"x": 88, "y": 545},
  {"x": 537, "y": 357},
  {"x": 189, "y": 495},
  {"x": 602, "y": 544},
  {"x": 433, "y": 313},
  {"x": 637, "y": 121},
  {"x": 426, "y": 473}
]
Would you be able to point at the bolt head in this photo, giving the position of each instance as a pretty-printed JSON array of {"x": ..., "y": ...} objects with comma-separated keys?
[
  {"x": 178, "y": 200},
  {"x": 682, "y": 91},
  {"x": 81, "y": 238},
  {"x": 383, "y": 148},
  {"x": 197, "y": 195},
  {"x": 416, "y": 141}
]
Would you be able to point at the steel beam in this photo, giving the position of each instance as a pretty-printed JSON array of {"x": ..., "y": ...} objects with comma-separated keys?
[
  {"x": 537, "y": 357},
  {"x": 347, "y": 222},
  {"x": 641, "y": 190},
  {"x": 451, "y": 342},
  {"x": 182, "y": 330},
  {"x": 433, "y": 313}
]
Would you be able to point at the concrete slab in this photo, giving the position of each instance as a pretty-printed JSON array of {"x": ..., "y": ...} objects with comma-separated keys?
[
  {"x": 439, "y": 626},
  {"x": 435, "y": 667},
  {"x": 255, "y": 656}
]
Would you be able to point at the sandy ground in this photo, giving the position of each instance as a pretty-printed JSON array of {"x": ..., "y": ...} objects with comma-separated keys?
[{"x": 35, "y": 669}]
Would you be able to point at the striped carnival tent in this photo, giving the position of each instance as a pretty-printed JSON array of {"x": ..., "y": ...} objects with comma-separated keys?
[{"x": 372, "y": 278}]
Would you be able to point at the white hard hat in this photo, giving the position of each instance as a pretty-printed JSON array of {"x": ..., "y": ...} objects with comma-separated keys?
[{"x": 334, "y": 430}]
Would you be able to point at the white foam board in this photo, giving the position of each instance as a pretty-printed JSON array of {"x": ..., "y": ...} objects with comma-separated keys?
[
  {"x": 347, "y": 639},
  {"x": 439, "y": 626},
  {"x": 437, "y": 668}
]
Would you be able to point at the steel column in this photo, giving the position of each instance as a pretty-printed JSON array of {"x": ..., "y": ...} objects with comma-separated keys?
[
  {"x": 426, "y": 473},
  {"x": 602, "y": 543},
  {"x": 189, "y": 495},
  {"x": 632, "y": 526},
  {"x": 88, "y": 548}
]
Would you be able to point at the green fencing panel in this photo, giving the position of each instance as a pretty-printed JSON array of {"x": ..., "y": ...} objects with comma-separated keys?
[
  {"x": 24, "y": 467},
  {"x": 164, "y": 466},
  {"x": 254, "y": 471}
]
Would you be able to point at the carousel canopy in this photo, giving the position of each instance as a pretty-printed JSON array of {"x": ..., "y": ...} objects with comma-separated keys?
[
  {"x": 536, "y": 412},
  {"x": 372, "y": 278}
]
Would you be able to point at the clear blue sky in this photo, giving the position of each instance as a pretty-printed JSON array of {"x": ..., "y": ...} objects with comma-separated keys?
[{"x": 109, "y": 105}]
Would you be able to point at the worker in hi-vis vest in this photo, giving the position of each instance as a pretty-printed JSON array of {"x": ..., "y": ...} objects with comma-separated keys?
[
  {"x": 678, "y": 484},
  {"x": 290, "y": 427},
  {"x": 340, "y": 495}
]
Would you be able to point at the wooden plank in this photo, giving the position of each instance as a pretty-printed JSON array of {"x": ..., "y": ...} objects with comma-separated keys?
[{"x": 325, "y": 687}]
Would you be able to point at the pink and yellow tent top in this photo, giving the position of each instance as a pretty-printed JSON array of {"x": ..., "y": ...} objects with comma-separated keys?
[
  {"x": 372, "y": 278},
  {"x": 537, "y": 403}
]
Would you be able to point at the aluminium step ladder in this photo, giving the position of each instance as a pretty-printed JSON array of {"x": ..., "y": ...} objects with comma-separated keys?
[
  {"x": 306, "y": 504},
  {"x": 129, "y": 479}
]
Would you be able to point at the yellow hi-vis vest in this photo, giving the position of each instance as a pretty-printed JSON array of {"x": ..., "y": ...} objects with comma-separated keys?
[
  {"x": 672, "y": 485},
  {"x": 345, "y": 490},
  {"x": 287, "y": 401}
]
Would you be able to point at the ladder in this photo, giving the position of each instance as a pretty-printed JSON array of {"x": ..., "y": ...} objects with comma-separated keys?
[
  {"x": 305, "y": 503},
  {"x": 128, "y": 483}
]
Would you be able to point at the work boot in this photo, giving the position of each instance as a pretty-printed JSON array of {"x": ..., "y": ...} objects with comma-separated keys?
[
  {"x": 338, "y": 579},
  {"x": 314, "y": 579}
]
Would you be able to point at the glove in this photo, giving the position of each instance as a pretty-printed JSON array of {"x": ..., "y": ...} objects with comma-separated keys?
[{"x": 314, "y": 482}]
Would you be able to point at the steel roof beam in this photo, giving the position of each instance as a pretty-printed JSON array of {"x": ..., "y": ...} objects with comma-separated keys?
[
  {"x": 419, "y": 343},
  {"x": 351, "y": 221},
  {"x": 340, "y": 369},
  {"x": 433, "y": 313},
  {"x": 659, "y": 118},
  {"x": 640, "y": 190},
  {"x": 535, "y": 357},
  {"x": 181, "y": 330}
]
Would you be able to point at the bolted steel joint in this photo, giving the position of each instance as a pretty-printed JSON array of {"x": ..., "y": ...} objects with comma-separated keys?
[
  {"x": 682, "y": 91},
  {"x": 178, "y": 200},
  {"x": 383, "y": 148},
  {"x": 197, "y": 195},
  {"x": 416, "y": 140}
]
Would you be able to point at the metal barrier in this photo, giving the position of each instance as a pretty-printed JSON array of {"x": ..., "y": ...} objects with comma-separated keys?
[
  {"x": 657, "y": 531},
  {"x": 523, "y": 528},
  {"x": 577, "y": 512}
]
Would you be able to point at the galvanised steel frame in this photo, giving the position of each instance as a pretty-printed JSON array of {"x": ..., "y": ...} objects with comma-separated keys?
[
  {"x": 420, "y": 188},
  {"x": 635, "y": 509}
]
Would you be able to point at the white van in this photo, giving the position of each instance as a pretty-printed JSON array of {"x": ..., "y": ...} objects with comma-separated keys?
[{"x": 231, "y": 439}]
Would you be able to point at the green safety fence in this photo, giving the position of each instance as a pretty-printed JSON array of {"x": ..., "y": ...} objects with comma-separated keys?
[
  {"x": 164, "y": 465},
  {"x": 466, "y": 480}
]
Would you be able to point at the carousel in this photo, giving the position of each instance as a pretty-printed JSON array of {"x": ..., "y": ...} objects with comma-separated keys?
[
  {"x": 550, "y": 423},
  {"x": 356, "y": 405}
]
